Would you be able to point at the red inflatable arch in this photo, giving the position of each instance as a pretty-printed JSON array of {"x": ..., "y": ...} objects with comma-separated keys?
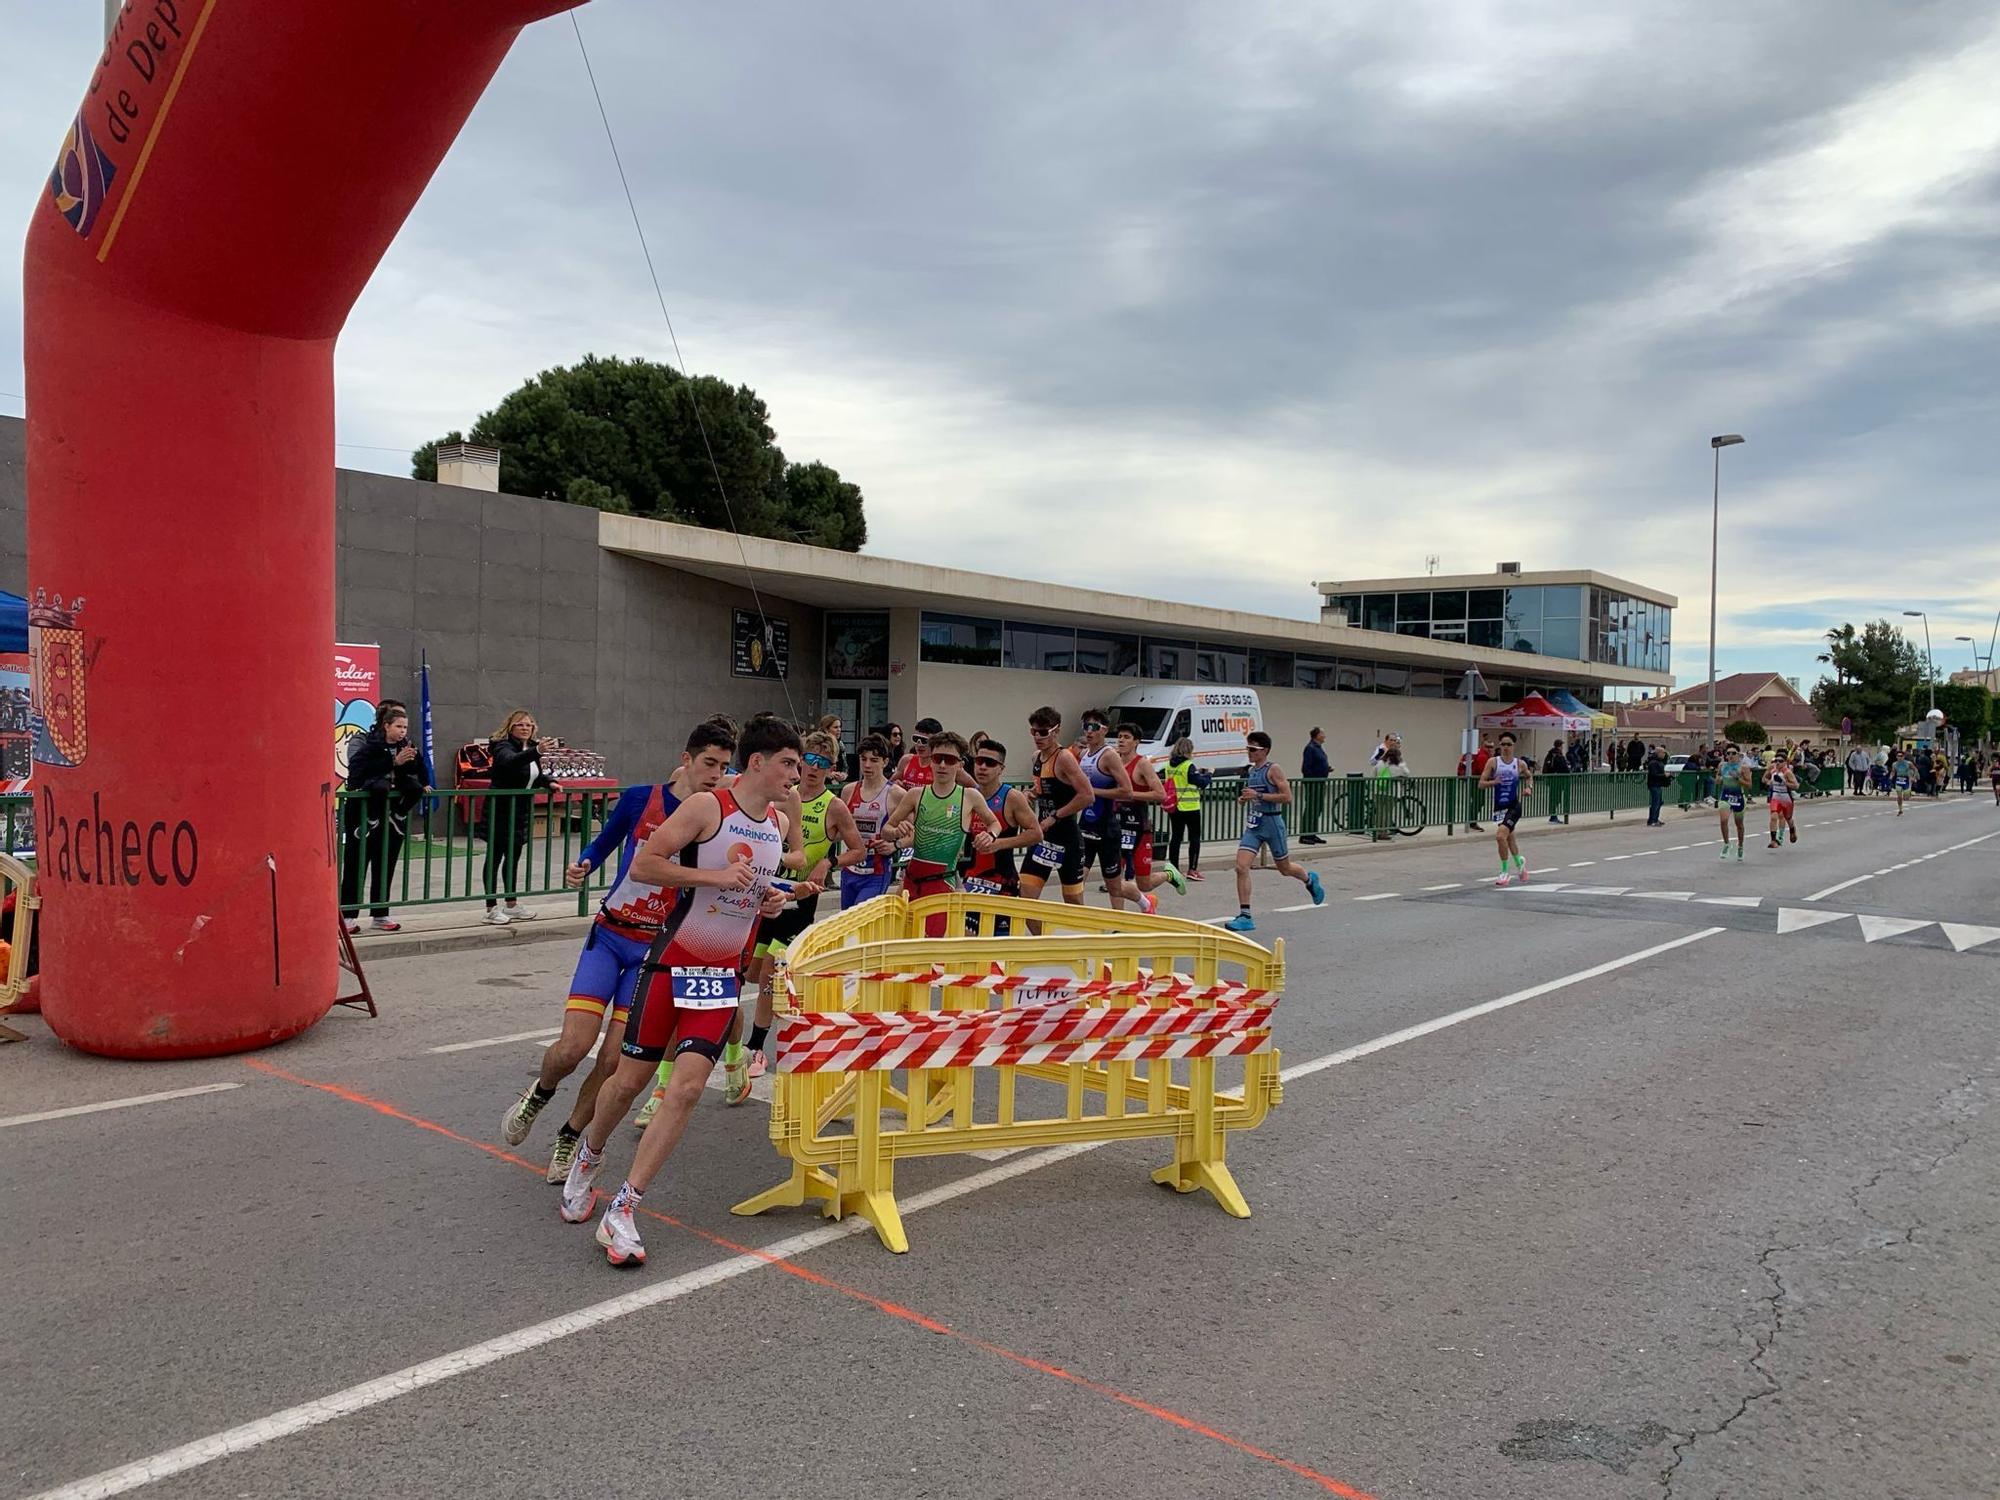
[{"x": 236, "y": 171}]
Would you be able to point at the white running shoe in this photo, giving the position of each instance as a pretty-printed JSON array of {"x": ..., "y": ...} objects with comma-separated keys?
[
  {"x": 520, "y": 1119},
  {"x": 520, "y": 914},
  {"x": 579, "y": 1194},
  {"x": 1507, "y": 878},
  {"x": 497, "y": 918},
  {"x": 620, "y": 1238}
]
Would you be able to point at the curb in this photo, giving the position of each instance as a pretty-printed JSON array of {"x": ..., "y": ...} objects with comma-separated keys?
[{"x": 458, "y": 939}]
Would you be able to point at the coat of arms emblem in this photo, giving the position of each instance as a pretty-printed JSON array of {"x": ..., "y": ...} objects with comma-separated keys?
[{"x": 57, "y": 665}]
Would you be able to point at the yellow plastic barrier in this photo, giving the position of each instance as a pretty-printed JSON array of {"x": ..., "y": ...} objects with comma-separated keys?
[
  {"x": 844, "y": 1129},
  {"x": 17, "y": 880}
]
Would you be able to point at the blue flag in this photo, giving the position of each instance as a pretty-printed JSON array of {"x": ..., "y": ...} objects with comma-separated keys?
[{"x": 424, "y": 708}]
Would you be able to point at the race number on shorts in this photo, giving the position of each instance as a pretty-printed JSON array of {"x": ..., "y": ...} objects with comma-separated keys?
[{"x": 703, "y": 988}]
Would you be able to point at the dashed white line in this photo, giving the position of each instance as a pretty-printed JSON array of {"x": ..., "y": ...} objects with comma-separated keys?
[
  {"x": 1449, "y": 885},
  {"x": 1676, "y": 848},
  {"x": 1380, "y": 896},
  {"x": 499, "y": 1041},
  {"x": 1581, "y": 863},
  {"x": 133, "y": 1102}
]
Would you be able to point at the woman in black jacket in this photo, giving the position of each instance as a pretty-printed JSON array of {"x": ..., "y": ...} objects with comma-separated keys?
[
  {"x": 385, "y": 780},
  {"x": 517, "y": 767}
]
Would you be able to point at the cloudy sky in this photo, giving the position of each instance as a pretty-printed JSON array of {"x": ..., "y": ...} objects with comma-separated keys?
[{"x": 1210, "y": 301}]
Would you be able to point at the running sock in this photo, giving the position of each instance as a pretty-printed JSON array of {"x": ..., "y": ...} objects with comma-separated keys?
[
  {"x": 567, "y": 1132},
  {"x": 757, "y": 1035},
  {"x": 626, "y": 1198},
  {"x": 732, "y": 1054},
  {"x": 543, "y": 1095},
  {"x": 1506, "y": 864},
  {"x": 1243, "y": 911}
]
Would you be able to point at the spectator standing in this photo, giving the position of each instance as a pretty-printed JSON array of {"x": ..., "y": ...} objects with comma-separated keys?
[
  {"x": 1555, "y": 764},
  {"x": 385, "y": 779},
  {"x": 510, "y": 820},
  {"x": 1314, "y": 768},
  {"x": 1655, "y": 766},
  {"x": 1185, "y": 783},
  {"x": 1857, "y": 771},
  {"x": 1473, "y": 767}
]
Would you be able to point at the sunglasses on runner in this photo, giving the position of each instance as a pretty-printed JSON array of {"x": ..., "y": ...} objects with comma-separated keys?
[
  {"x": 944, "y": 758},
  {"x": 819, "y": 762},
  {"x": 1091, "y": 725},
  {"x": 919, "y": 741},
  {"x": 988, "y": 762}
]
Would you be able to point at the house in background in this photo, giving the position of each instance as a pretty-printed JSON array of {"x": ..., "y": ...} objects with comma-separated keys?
[{"x": 1679, "y": 720}]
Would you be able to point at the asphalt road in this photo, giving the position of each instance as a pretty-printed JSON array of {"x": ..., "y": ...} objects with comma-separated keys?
[{"x": 1712, "y": 1218}]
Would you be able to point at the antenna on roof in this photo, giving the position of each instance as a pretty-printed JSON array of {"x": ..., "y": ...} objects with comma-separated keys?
[{"x": 1431, "y": 564}]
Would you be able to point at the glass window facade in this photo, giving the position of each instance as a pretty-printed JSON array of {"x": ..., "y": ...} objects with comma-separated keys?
[
  {"x": 964, "y": 640},
  {"x": 1569, "y": 620},
  {"x": 1040, "y": 648}
]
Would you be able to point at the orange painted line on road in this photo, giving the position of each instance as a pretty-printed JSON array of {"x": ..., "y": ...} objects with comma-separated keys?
[{"x": 882, "y": 1305}]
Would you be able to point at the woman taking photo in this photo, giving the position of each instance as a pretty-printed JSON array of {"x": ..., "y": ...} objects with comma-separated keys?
[
  {"x": 517, "y": 768},
  {"x": 385, "y": 779}
]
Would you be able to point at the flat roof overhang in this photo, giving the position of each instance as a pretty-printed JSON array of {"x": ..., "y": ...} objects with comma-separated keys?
[{"x": 852, "y": 580}]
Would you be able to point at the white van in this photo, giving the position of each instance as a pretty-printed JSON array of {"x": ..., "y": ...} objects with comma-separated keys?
[{"x": 1216, "y": 718}]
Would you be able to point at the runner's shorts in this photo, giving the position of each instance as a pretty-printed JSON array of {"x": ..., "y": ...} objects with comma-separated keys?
[
  {"x": 1059, "y": 853},
  {"x": 607, "y": 972},
  {"x": 1508, "y": 816},
  {"x": 923, "y": 878},
  {"x": 660, "y": 1023},
  {"x": 1101, "y": 847},
  {"x": 776, "y": 934},
  {"x": 1139, "y": 858},
  {"x": 856, "y": 888},
  {"x": 1268, "y": 832}
]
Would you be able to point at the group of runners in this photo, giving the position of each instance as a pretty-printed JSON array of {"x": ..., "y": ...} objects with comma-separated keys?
[{"x": 720, "y": 866}]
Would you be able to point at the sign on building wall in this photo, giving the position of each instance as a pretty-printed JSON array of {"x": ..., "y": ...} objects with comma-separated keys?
[
  {"x": 857, "y": 646},
  {"x": 760, "y": 648},
  {"x": 357, "y": 689}
]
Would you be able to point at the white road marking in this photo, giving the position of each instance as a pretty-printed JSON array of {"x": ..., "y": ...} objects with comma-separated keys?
[
  {"x": 1796, "y": 919},
  {"x": 386, "y": 1388},
  {"x": 1662, "y": 895},
  {"x": 134, "y": 1101},
  {"x": 1303, "y": 906},
  {"x": 1730, "y": 900},
  {"x": 1964, "y": 935},
  {"x": 1645, "y": 853},
  {"x": 1609, "y": 858},
  {"x": 1874, "y": 929},
  {"x": 1949, "y": 849},
  {"x": 1449, "y": 885},
  {"x": 1581, "y": 863},
  {"x": 1599, "y": 890},
  {"x": 1676, "y": 848},
  {"x": 499, "y": 1041},
  {"x": 1383, "y": 896}
]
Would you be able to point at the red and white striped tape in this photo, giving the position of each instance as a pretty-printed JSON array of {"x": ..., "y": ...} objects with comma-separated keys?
[
  {"x": 847, "y": 1042},
  {"x": 1028, "y": 989}
]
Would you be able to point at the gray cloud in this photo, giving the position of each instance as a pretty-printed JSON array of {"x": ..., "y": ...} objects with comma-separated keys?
[{"x": 1330, "y": 291}]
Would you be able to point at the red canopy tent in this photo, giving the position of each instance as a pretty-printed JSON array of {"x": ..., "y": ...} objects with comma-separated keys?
[{"x": 1535, "y": 712}]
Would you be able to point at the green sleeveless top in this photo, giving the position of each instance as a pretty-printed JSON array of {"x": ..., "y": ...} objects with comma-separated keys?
[{"x": 940, "y": 834}]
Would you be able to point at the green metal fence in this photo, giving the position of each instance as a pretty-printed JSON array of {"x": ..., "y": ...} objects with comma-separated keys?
[
  {"x": 463, "y": 846},
  {"x": 469, "y": 846}
]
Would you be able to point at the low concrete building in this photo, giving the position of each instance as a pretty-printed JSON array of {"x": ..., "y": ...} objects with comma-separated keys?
[{"x": 620, "y": 631}]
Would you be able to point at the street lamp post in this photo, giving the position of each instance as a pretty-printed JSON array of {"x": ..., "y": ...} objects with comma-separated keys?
[
  {"x": 1930, "y": 667},
  {"x": 1975, "y": 649},
  {"x": 1718, "y": 443}
]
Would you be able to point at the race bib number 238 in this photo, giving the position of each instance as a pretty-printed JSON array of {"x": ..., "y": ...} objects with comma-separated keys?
[{"x": 705, "y": 988}]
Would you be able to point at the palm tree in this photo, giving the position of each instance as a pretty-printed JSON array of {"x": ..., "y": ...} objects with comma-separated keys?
[{"x": 1841, "y": 644}]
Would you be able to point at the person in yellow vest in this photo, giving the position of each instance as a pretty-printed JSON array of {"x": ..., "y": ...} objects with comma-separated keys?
[{"x": 1185, "y": 783}]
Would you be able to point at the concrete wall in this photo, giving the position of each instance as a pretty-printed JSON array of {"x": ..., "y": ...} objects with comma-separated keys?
[
  {"x": 517, "y": 606},
  {"x": 14, "y": 505}
]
